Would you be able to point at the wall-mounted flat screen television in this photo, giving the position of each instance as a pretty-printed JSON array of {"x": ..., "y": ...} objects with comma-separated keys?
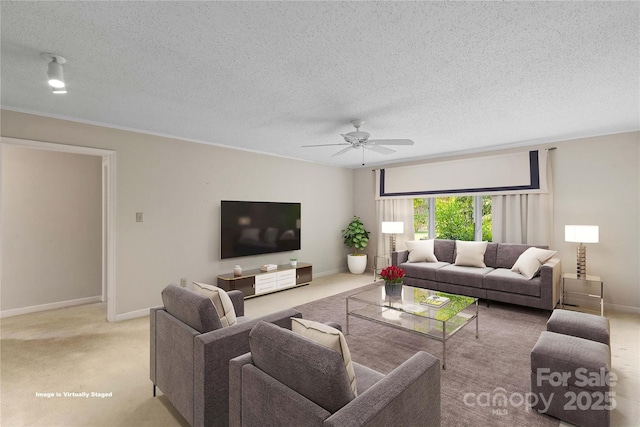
[{"x": 255, "y": 228}]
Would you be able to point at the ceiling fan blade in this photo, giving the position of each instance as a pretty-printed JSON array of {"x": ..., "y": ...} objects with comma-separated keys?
[
  {"x": 323, "y": 145},
  {"x": 390, "y": 142},
  {"x": 379, "y": 149},
  {"x": 341, "y": 152}
]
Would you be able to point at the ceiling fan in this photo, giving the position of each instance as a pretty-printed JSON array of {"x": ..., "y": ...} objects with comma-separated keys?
[{"x": 360, "y": 139}]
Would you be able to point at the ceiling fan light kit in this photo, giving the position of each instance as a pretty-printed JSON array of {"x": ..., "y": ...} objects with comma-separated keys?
[{"x": 360, "y": 139}]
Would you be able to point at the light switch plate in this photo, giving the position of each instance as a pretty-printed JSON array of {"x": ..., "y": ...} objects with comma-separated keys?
[{"x": 139, "y": 216}]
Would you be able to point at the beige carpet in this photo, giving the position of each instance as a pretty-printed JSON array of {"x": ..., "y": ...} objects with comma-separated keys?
[{"x": 75, "y": 350}]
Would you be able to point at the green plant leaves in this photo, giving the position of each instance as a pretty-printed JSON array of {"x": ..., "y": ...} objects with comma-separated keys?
[{"x": 355, "y": 236}]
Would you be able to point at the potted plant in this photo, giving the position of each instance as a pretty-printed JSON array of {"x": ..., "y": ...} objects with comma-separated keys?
[
  {"x": 293, "y": 261},
  {"x": 393, "y": 277},
  {"x": 356, "y": 237}
]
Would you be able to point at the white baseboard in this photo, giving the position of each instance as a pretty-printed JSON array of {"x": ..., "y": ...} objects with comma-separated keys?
[
  {"x": 132, "y": 314},
  {"x": 619, "y": 308},
  {"x": 50, "y": 306}
]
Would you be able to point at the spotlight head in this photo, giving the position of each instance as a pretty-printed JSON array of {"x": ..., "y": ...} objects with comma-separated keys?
[
  {"x": 54, "y": 70},
  {"x": 56, "y": 77}
]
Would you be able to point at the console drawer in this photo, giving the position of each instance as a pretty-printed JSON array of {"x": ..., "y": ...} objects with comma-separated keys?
[{"x": 265, "y": 283}]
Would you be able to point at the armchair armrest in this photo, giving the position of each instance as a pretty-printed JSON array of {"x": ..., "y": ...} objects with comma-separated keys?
[
  {"x": 408, "y": 396},
  {"x": 152, "y": 343},
  {"x": 235, "y": 388},
  {"x": 237, "y": 299}
]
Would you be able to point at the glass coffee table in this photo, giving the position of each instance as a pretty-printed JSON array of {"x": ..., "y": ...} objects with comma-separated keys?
[{"x": 434, "y": 314}]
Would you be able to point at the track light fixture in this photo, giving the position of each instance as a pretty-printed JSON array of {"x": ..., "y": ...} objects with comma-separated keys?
[{"x": 54, "y": 72}]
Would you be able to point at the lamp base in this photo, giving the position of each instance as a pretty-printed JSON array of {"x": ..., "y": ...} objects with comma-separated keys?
[
  {"x": 392, "y": 244},
  {"x": 581, "y": 262}
]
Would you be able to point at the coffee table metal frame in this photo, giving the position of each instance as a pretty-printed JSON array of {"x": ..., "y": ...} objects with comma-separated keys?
[{"x": 389, "y": 311}]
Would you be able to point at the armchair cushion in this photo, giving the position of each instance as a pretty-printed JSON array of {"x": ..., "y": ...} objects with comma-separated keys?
[
  {"x": 221, "y": 302},
  {"x": 313, "y": 371},
  {"x": 329, "y": 337},
  {"x": 191, "y": 308}
]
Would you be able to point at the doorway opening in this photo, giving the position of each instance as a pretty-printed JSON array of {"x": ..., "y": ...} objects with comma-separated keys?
[{"x": 108, "y": 209}]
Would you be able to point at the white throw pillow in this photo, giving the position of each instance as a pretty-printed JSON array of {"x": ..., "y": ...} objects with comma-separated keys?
[
  {"x": 220, "y": 300},
  {"x": 470, "y": 254},
  {"x": 529, "y": 262},
  {"x": 421, "y": 250},
  {"x": 329, "y": 337}
]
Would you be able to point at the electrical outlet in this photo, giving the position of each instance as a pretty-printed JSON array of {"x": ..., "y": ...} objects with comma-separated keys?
[
  {"x": 183, "y": 282},
  {"x": 139, "y": 216}
]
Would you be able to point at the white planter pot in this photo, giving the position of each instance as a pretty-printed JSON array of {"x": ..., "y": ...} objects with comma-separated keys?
[{"x": 357, "y": 263}]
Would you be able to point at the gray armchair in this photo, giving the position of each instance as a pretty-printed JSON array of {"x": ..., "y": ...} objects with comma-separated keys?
[
  {"x": 290, "y": 381},
  {"x": 190, "y": 352}
]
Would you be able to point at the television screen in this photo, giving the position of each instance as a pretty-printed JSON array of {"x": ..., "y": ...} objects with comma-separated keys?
[{"x": 254, "y": 228}]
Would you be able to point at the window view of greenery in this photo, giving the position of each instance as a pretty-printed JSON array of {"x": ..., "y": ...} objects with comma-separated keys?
[
  {"x": 486, "y": 219},
  {"x": 454, "y": 218},
  {"x": 421, "y": 218}
]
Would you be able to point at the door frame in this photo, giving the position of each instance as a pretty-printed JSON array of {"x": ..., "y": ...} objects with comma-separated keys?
[{"x": 108, "y": 209}]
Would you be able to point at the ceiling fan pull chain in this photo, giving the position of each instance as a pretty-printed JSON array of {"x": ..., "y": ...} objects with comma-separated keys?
[{"x": 363, "y": 155}]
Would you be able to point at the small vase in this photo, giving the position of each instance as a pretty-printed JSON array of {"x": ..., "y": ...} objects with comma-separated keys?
[{"x": 393, "y": 289}]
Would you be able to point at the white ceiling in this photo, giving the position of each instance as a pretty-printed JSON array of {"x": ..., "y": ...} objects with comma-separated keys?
[{"x": 272, "y": 76}]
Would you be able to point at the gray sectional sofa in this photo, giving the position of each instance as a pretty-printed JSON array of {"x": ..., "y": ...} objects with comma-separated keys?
[{"x": 495, "y": 282}]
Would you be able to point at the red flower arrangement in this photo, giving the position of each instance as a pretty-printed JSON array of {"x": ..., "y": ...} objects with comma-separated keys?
[{"x": 392, "y": 274}]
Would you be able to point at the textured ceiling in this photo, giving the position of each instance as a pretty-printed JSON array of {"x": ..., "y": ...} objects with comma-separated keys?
[{"x": 272, "y": 76}]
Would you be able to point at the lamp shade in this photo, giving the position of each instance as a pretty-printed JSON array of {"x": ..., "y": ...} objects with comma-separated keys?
[
  {"x": 392, "y": 227},
  {"x": 581, "y": 233}
]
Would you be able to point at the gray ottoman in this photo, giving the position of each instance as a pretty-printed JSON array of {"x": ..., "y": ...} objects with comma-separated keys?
[
  {"x": 570, "y": 379},
  {"x": 583, "y": 325}
]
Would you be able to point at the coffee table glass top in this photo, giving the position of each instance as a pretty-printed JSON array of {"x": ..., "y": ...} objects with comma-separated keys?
[{"x": 433, "y": 313}]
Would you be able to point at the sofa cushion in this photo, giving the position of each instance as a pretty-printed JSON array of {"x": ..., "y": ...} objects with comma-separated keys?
[
  {"x": 530, "y": 261},
  {"x": 422, "y": 270},
  {"x": 504, "y": 280},
  {"x": 490, "y": 254},
  {"x": 191, "y": 308},
  {"x": 329, "y": 337},
  {"x": 444, "y": 250},
  {"x": 470, "y": 254},
  {"x": 508, "y": 253},
  {"x": 462, "y": 275},
  {"x": 312, "y": 370},
  {"x": 421, "y": 251},
  {"x": 220, "y": 300}
]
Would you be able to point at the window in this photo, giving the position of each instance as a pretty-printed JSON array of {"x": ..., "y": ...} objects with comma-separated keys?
[
  {"x": 421, "y": 218},
  {"x": 453, "y": 217}
]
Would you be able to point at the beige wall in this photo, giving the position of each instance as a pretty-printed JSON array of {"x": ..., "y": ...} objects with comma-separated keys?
[
  {"x": 596, "y": 181},
  {"x": 178, "y": 185},
  {"x": 51, "y": 227}
]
